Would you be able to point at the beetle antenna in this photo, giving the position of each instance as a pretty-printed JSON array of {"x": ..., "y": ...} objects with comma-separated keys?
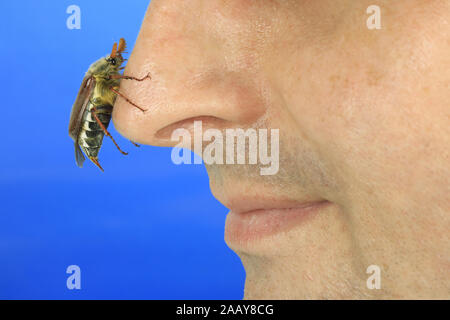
[
  {"x": 114, "y": 51},
  {"x": 122, "y": 45}
]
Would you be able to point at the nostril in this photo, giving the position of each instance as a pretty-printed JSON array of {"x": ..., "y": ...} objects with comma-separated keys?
[{"x": 188, "y": 124}]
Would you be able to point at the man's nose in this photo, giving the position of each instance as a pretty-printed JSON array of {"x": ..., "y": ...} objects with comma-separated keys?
[{"x": 195, "y": 75}]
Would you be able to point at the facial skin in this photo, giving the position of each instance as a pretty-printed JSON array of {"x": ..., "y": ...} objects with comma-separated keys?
[{"x": 364, "y": 119}]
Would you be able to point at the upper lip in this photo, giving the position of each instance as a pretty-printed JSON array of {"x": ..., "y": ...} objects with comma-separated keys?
[{"x": 248, "y": 203}]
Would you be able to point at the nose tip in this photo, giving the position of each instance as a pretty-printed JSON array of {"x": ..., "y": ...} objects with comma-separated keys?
[{"x": 188, "y": 82}]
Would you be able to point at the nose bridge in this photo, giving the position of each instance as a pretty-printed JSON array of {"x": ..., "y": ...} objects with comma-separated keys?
[{"x": 190, "y": 78}]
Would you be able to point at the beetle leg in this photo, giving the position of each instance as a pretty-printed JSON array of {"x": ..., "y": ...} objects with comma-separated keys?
[
  {"x": 135, "y": 144},
  {"x": 119, "y": 76},
  {"x": 126, "y": 99},
  {"x": 94, "y": 110},
  {"x": 95, "y": 161}
]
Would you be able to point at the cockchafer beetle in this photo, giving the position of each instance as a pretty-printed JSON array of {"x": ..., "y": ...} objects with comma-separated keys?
[{"x": 92, "y": 110}]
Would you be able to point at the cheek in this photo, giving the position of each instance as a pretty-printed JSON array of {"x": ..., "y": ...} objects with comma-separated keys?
[
  {"x": 378, "y": 138},
  {"x": 357, "y": 130}
]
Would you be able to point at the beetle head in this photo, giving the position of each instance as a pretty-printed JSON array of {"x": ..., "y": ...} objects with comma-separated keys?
[{"x": 115, "y": 58}]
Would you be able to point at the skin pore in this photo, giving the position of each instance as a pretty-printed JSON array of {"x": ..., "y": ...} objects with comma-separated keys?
[{"x": 364, "y": 123}]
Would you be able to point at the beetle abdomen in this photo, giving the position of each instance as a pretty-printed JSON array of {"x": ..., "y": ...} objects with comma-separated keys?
[{"x": 91, "y": 134}]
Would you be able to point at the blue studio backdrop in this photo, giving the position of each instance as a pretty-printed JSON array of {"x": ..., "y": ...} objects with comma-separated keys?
[{"x": 145, "y": 228}]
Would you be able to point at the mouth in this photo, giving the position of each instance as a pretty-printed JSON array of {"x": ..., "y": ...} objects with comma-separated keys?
[{"x": 252, "y": 220}]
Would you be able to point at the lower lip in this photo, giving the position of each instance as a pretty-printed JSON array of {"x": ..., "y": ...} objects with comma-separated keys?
[{"x": 257, "y": 224}]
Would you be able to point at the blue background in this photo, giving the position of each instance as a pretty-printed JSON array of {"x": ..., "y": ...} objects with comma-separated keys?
[{"x": 144, "y": 229}]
